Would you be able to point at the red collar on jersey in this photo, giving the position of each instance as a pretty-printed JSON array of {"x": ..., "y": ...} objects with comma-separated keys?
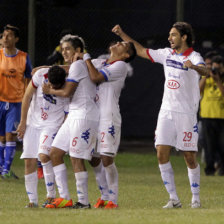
[
  {"x": 46, "y": 75},
  {"x": 186, "y": 53}
]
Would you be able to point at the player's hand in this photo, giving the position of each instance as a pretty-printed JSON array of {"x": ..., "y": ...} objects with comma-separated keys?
[
  {"x": 21, "y": 130},
  {"x": 188, "y": 64},
  {"x": 46, "y": 88},
  {"x": 77, "y": 56},
  {"x": 117, "y": 30}
]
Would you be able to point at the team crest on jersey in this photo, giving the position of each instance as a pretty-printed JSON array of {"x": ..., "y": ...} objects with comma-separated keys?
[
  {"x": 44, "y": 115},
  {"x": 175, "y": 64},
  {"x": 173, "y": 84}
]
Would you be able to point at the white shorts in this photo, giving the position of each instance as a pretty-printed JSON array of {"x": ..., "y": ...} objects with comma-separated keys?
[
  {"x": 178, "y": 130},
  {"x": 109, "y": 137},
  {"x": 77, "y": 137},
  {"x": 36, "y": 141}
]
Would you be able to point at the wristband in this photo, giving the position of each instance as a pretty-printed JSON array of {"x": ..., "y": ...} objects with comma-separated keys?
[{"x": 86, "y": 56}]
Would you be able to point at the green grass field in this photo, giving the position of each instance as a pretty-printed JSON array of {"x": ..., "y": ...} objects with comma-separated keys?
[{"x": 141, "y": 196}]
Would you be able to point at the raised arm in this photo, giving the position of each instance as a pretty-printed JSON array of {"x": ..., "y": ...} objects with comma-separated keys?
[
  {"x": 141, "y": 51},
  {"x": 24, "y": 111}
]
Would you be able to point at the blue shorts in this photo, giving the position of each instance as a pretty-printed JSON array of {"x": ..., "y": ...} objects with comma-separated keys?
[{"x": 9, "y": 117}]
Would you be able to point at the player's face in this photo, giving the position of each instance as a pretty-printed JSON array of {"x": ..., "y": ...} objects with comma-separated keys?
[
  {"x": 175, "y": 39},
  {"x": 9, "y": 39},
  {"x": 67, "y": 51},
  {"x": 120, "y": 48}
]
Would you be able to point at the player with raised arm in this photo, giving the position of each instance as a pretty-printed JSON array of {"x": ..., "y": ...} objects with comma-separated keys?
[
  {"x": 77, "y": 136},
  {"x": 177, "y": 120},
  {"x": 41, "y": 117},
  {"x": 110, "y": 74}
]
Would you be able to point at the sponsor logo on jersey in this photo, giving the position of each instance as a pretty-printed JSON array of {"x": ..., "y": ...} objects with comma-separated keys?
[
  {"x": 50, "y": 98},
  {"x": 173, "y": 84},
  {"x": 175, "y": 64},
  {"x": 85, "y": 135}
]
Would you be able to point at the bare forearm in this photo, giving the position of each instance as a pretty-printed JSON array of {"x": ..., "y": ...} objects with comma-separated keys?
[
  {"x": 201, "y": 70},
  {"x": 94, "y": 74}
]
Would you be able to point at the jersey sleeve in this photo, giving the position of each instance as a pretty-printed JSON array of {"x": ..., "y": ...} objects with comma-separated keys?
[
  {"x": 28, "y": 69},
  {"x": 158, "y": 56},
  {"x": 115, "y": 71},
  {"x": 198, "y": 59},
  {"x": 76, "y": 72},
  {"x": 38, "y": 77}
]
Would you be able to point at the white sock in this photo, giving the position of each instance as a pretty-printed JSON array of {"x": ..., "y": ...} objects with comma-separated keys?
[
  {"x": 31, "y": 182},
  {"x": 194, "y": 178},
  {"x": 49, "y": 179},
  {"x": 112, "y": 182},
  {"x": 82, "y": 187},
  {"x": 167, "y": 175},
  {"x": 61, "y": 179},
  {"x": 101, "y": 181}
]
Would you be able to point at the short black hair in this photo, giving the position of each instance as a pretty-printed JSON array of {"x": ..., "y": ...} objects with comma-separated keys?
[
  {"x": 218, "y": 59},
  {"x": 185, "y": 29},
  {"x": 13, "y": 28},
  {"x": 75, "y": 41},
  {"x": 56, "y": 75},
  {"x": 131, "y": 51}
]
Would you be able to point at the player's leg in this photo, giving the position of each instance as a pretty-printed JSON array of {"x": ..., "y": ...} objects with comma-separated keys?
[
  {"x": 112, "y": 179},
  {"x": 60, "y": 146},
  {"x": 100, "y": 175},
  {"x": 30, "y": 153},
  {"x": 31, "y": 181},
  {"x": 194, "y": 177},
  {"x": 2, "y": 152},
  {"x": 187, "y": 140},
  {"x": 164, "y": 141},
  {"x": 82, "y": 145},
  {"x": 12, "y": 119},
  {"x": 108, "y": 147},
  {"x": 2, "y": 135},
  {"x": 81, "y": 177},
  {"x": 46, "y": 139}
]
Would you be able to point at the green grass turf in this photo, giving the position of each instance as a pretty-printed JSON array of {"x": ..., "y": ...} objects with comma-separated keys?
[{"x": 141, "y": 196}]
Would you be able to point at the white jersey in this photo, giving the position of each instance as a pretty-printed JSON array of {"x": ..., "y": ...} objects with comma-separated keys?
[
  {"x": 82, "y": 104},
  {"x": 45, "y": 110},
  {"x": 181, "y": 88},
  {"x": 108, "y": 92}
]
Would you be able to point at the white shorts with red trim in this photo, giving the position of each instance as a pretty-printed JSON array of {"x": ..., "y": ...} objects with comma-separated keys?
[{"x": 178, "y": 130}]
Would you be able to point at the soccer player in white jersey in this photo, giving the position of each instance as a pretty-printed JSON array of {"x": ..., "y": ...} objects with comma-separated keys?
[
  {"x": 77, "y": 136},
  {"x": 110, "y": 74},
  {"x": 41, "y": 118},
  {"x": 177, "y": 121}
]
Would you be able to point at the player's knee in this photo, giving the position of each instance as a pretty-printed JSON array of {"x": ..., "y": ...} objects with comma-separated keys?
[
  {"x": 162, "y": 157},
  {"x": 107, "y": 160},
  {"x": 44, "y": 158}
]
